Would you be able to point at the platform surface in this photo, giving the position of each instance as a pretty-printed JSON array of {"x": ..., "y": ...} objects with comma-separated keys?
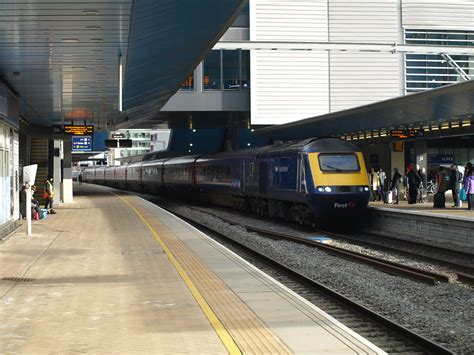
[
  {"x": 115, "y": 274},
  {"x": 428, "y": 209}
]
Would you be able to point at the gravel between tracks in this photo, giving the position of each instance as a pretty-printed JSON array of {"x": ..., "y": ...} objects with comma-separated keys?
[{"x": 443, "y": 313}]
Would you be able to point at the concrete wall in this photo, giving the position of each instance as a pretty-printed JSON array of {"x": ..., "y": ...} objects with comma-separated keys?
[{"x": 454, "y": 233}]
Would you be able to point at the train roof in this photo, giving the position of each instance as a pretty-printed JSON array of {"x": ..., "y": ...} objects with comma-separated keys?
[{"x": 327, "y": 144}]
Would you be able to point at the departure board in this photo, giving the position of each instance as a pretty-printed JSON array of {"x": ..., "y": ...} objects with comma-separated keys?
[
  {"x": 82, "y": 144},
  {"x": 79, "y": 130}
]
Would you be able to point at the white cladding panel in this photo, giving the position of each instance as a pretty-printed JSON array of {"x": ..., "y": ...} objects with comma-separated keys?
[
  {"x": 365, "y": 21},
  {"x": 359, "y": 78},
  {"x": 288, "y": 20},
  {"x": 288, "y": 86},
  {"x": 443, "y": 14}
]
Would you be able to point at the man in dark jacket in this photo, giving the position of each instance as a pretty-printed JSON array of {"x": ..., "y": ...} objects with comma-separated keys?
[
  {"x": 413, "y": 184},
  {"x": 396, "y": 184},
  {"x": 455, "y": 180}
]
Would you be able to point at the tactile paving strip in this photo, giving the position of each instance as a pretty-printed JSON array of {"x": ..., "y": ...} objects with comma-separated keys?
[{"x": 248, "y": 332}]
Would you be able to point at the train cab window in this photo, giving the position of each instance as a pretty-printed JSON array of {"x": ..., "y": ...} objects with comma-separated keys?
[{"x": 331, "y": 162}]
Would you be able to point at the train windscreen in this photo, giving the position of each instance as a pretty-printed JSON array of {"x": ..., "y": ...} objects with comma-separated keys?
[{"x": 338, "y": 162}]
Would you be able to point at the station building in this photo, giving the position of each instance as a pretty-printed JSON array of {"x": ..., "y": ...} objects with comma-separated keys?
[{"x": 288, "y": 83}]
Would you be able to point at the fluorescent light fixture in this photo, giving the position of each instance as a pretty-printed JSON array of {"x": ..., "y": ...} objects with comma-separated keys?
[
  {"x": 84, "y": 86},
  {"x": 96, "y": 51},
  {"x": 70, "y": 40},
  {"x": 96, "y": 40},
  {"x": 78, "y": 68},
  {"x": 93, "y": 28},
  {"x": 90, "y": 12}
]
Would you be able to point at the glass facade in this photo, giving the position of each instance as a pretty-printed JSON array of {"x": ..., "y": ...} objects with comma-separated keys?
[
  {"x": 227, "y": 70},
  {"x": 429, "y": 71}
]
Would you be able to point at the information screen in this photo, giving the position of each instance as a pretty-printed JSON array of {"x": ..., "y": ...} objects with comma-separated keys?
[
  {"x": 82, "y": 130},
  {"x": 82, "y": 144}
]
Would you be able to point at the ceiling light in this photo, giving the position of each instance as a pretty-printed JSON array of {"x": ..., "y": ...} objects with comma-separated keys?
[
  {"x": 96, "y": 40},
  {"x": 90, "y": 12},
  {"x": 84, "y": 86},
  {"x": 78, "y": 68},
  {"x": 70, "y": 40},
  {"x": 96, "y": 51},
  {"x": 94, "y": 28}
]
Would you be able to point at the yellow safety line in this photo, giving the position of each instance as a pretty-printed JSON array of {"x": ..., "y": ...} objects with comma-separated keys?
[{"x": 221, "y": 331}]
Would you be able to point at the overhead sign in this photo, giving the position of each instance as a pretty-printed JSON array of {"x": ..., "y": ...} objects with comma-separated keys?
[
  {"x": 407, "y": 133},
  {"x": 79, "y": 130},
  {"x": 118, "y": 135},
  {"x": 82, "y": 144}
]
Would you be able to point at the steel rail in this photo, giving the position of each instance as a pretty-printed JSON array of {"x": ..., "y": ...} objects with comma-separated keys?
[
  {"x": 425, "y": 343},
  {"x": 428, "y": 277}
]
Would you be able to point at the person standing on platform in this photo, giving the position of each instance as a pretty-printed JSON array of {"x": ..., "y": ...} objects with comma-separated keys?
[
  {"x": 469, "y": 186},
  {"x": 455, "y": 180},
  {"x": 374, "y": 183},
  {"x": 423, "y": 185},
  {"x": 396, "y": 185},
  {"x": 49, "y": 195},
  {"x": 413, "y": 184},
  {"x": 382, "y": 178},
  {"x": 467, "y": 173},
  {"x": 23, "y": 202},
  {"x": 79, "y": 178}
]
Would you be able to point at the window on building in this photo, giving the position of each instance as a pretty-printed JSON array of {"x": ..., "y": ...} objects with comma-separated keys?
[
  {"x": 429, "y": 71},
  {"x": 227, "y": 70},
  {"x": 188, "y": 84},
  {"x": 245, "y": 71},
  {"x": 231, "y": 69},
  {"x": 212, "y": 71}
]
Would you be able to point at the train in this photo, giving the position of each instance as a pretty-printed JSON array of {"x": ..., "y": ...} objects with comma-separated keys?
[{"x": 302, "y": 182}]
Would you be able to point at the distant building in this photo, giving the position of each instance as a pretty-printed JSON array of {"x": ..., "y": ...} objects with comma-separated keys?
[{"x": 140, "y": 145}]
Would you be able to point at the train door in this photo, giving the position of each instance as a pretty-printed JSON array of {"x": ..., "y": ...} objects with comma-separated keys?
[
  {"x": 262, "y": 178},
  {"x": 301, "y": 186}
]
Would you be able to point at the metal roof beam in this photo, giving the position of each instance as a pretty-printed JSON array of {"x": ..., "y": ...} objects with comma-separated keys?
[{"x": 345, "y": 46}]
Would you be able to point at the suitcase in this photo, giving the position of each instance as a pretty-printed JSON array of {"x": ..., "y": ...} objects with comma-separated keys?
[
  {"x": 439, "y": 200},
  {"x": 36, "y": 215},
  {"x": 388, "y": 197}
]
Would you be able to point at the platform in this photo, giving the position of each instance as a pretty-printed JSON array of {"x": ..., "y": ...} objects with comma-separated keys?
[
  {"x": 450, "y": 228},
  {"x": 115, "y": 274}
]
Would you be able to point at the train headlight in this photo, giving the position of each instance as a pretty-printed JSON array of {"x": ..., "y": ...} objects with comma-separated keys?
[
  {"x": 366, "y": 188},
  {"x": 361, "y": 189},
  {"x": 320, "y": 189},
  {"x": 327, "y": 189}
]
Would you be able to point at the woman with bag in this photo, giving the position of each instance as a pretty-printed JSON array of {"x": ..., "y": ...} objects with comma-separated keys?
[
  {"x": 469, "y": 187},
  {"x": 49, "y": 194}
]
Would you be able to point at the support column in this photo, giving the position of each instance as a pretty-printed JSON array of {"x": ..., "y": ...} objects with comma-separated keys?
[
  {"x": 57, "y": 173},
  {"x": 397, "y": 157},
  {"x": 421, "y": 151},
  {"x": 67, "y": 191}
]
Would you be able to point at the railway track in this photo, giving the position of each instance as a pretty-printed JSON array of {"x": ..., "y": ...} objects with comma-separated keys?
[
  {"x": 388, "y": 335},
  {"x": 465, "y": 276}
]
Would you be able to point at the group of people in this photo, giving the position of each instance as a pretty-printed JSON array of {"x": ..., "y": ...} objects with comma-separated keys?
[
  {"x": 36, "y": 210},
  {"x": 414, "y": 184}
]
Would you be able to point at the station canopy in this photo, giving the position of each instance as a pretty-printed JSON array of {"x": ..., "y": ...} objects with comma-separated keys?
[
  {"x": 63, "y": 58},
  {"x": 445, "y": 106}
]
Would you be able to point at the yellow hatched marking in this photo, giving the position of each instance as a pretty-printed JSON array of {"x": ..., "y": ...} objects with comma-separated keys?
[{"x": 221, "y": 331}]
